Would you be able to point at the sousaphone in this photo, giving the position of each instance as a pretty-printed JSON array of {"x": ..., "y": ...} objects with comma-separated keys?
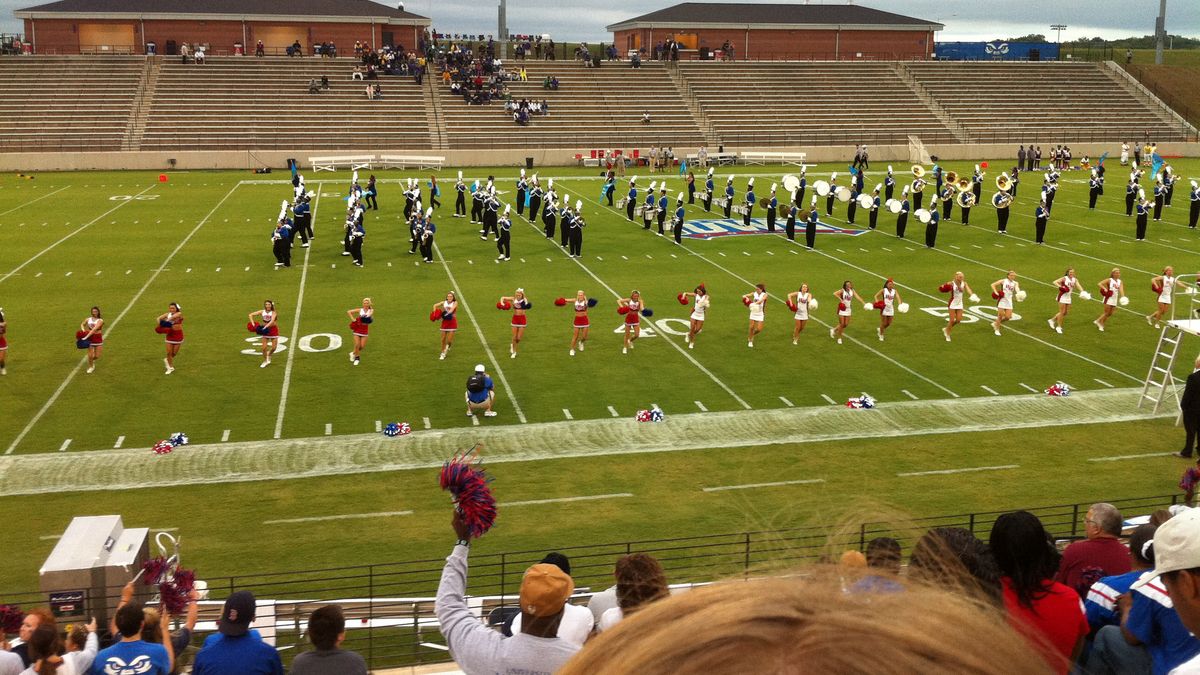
[{"x": 918, "y": 171}]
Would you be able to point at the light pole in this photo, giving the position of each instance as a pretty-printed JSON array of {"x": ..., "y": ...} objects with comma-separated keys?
[
  {"x": 1160, "y": 31},
  {"x": 1060, "y": 27}
]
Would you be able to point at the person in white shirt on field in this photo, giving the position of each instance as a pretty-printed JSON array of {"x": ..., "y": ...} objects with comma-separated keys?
[
  {"x": 700, "y": 305},
  {"x": 756, "y": 301}
]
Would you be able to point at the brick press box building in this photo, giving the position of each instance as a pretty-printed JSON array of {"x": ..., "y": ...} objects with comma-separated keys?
[
  {"x": 780, "y": 31},
  {"x": 126, "y": 26}
]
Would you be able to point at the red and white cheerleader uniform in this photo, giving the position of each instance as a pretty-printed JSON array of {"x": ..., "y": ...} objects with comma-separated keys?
[
  {"x": 1168, "y": 288},
  {"x": 267, "y": 318},
  {"x": 97, "y": 338},
  {"x": 174, "y": 334},
  {"x": 846, "y": 306},
  {"x": 1064, "y": 291},
  {"x": 634, "y": 316},
  {"x": 1008, "y": 289},
  {"x": 956, "y": 295},
  {"x": 449, "y": 322},
  {"x": 519, "y": 320},
  {"x": 756, "y": 306},
  {"x": 362, "y": 328},
  {"x": 581, "y": 314},
  {"x": 802, "y": 306},
  {"x": 889, "y": 302},
  {"x": 1114, "y": 292},
  {"x": 700, "y": 307}
]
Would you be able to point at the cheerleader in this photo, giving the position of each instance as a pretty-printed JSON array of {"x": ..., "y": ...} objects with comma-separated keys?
[
  {"x": 268, "y": 329},
  {"x": 958, "y": 288},
  {"x": 700, "y": 305},
  {"x": 756, "y": 301},
  {"x": 446, "y": 309},
  {"x": 582, "y": 324},
  {"x": 172, "y": 322},
  {"x": 1164, "y": 285},
  {"x": 1004, "y": 290},
  {"x": 519, "y": 305},
  {"x": 360, "y": 325},
  {"x": 633, "y": 319},
  {"x": 845, "y": 295},
  {"x": 890, "y": 299},
  {"x": 1113, "y": 292},
  {"x": 801, "y": 302},
  {"x": 92, "y": 330},
  {"x": 1066, "y": 284},
  {"x": 3, "y": 344}
]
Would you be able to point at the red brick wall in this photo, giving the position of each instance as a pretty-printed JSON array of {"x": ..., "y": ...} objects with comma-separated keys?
[
  {"x": 797, "y": 44},
  {"x": 62, "y": 35}
]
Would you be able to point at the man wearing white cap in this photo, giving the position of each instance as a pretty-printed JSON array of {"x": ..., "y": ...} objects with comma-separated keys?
[
  {"x": 460, "y": 199},
  {"x": 522, "y": 186},
  {"x": 1172, "y": 590},
  {"x": 1195, "y": 212},
  {"x": 481, "y": 393}
]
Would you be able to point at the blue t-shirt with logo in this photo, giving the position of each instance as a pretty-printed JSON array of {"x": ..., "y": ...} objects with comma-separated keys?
[
  {"x": 245, "y": 655},
  {"x": 135, "y": 658},
  {"x": 1153, "y": 620}
]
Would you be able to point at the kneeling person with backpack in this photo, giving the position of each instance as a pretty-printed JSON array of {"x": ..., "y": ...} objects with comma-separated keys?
[{"x": 480, "y": 393}]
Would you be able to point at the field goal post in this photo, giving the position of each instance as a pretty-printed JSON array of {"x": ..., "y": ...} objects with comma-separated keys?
[
  {"x": 1161, "y": 382},
  {"x": 917, "y": 154}
]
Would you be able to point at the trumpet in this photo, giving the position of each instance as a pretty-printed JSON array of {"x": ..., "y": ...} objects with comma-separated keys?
[
  {"x": 1001, "y": 200},
  {"x": 918, "y": 171},
  {"x": 963, "y": 184},
  {"x": 1003, "y": 182},
  {"x": 951, "y": 177},
  {"x": 965, "y": 199}
]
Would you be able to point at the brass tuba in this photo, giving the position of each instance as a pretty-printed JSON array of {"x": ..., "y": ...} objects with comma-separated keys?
[
  {"x": 918, "y": 171},
  {"x": 963, "y": 184},
  {"x": 1003, "y": 182},
  {"x": 951, "y": 177}
]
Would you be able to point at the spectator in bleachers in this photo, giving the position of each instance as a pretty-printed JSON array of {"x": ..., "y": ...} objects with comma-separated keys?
[
  {"x": 640, "y": 581},
  {"x": 260, "y": 50},
  {"x": 476, "y": 648},
  {"x": 1177, "y": 568},
  {"x": 357, "y": 73},
  {"x": 33, "y": 618},
  {"x": 636, "y": 60},
  {"x": 235, "y": 649},
  {"x": 577, "y": 621},
  {"x": 156, "y": 659},
  {"x": 296, "y": 49},
  {"x": 153, "y": 633},
  {"x": 883, "y": 565},
  {"x": 82, "y": 647},
  {"x": 184, "y": 52},
  {"x": 1111, "y": 652},
  {"x": 327, "y": 632},
  {"x": 10, "y": 663},
  {"x": 44, "y": 649},
  {"x": 1148, "y": 615},
  {"x": 1045, "y": 610},
  {"x": 199, "y": 57},
  {"x": 1101, "y": 554},
  {"x": 952, "y": 557}
]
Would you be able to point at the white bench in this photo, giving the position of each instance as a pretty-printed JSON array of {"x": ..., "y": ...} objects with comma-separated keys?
[
  {"x": 331, "y": 163},
  {"x": 761, "y": 158},
  {"x": 406, "y": 161}
]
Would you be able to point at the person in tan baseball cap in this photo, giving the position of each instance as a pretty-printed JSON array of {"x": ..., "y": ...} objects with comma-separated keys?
[{"x": 544, "y": 590}]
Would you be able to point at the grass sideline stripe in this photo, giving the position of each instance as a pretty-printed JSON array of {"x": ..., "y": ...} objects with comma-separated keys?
[
  {"x": 972, "y": 469},
  {"x": 748, "y": 486},
  {"x": 559, "y": 500},
  {"x": 347, "y": 516},
  {"x": 1117, "y": 458}
]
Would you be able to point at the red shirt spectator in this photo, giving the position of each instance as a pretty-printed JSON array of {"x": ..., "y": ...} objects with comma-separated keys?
[
  {"x": 1055, "y": 622},
  {"x": 1100, "y": 555}
]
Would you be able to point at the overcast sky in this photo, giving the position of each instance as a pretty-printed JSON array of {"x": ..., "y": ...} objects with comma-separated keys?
[{"x": 964, "y": 19}]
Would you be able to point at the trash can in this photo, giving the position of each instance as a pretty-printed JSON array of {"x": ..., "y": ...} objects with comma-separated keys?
[
  {"x": 528, "y": 162},
  {"x": 239, "y": 49},
  {"x": 151, "y": 49}
]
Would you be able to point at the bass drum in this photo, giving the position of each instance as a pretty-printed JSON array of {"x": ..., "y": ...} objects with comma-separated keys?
[
  {"x": 923, "y": 215},
  {"x": 843, "y": 194},
  {"x": 865, "y": 201},
  {"x": 894, "y": 205}
]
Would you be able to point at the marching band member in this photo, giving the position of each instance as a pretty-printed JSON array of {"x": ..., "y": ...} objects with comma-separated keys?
[
  {"x": 633, "y": 319},
  {"x": 370, "y": 194},
  {"x": 648, "y": 207},
  {"x": 664, "y": 203},
  {"x": 172, "y": 323},
  {"x": 610, "y": 186},
  {"x": 504, "y": 241},
  {"x": 889, "y": 184},
  {"x": 1004, "y": 290},
  {"x": 360, "y": 326},
  {"x": 535, "y": 200},
  {"x": 1131, "y": 194},
  {"x": 416, "y": 228},
  {"x": 708, "y": 190},
  {"x": 852, "y": 207},
  {"x": 789, "y": 227},
  {"x": 581, "y": 324},
  {"x": 947, "y": 195},
  {"x": 575, "y": 240},
  {"x": 519, "y": 305},
  {"x": 1066, "y": 284},
  {"x": 3, "y": 344},
  {"x": 631, "y": 199},
  {"x": 357, "y": 233},
  {"x": 800, "y": 301},
  {"x": 846, "y": 296},
  {"x": 937, "y": 182},
  {"x": 477, "y": 202},
  {"x": 1003, "y": 202},
  {"x": 902, "y": 218},
  {"x": 833, "y": 186},
  {"x": 931, "y": 229},
  {"x": 410, "y": 197},
  {"x": 267, "y": 319},
  {"x": 756, "y": 301},
  {"x": 1112, "y": 290},
  {"x": 918, "y": 193},
  {"x": 427, "y": 232},
  {"x": 567, "y": 216},
  {"x": 1143, "y": 213},
  {"x": 1164, "y": 286},
  {"x": 958, "y": 290},
  {"x": 491, "y": 214},
  {"x": 890, "y": 299},
  {"x": 434, "y": 192},
  {"x": 1124, "y": 154},
  {"x": 460, "y": 197},
  {"x": 302, "y": 219},
  {"x": 873, "y": 216},
  {"x": 1093, "y": 190},
  {"x": 1195, "y": 208},
  {"x": 281, "y": 245},
  {"x": 772, "y": 206},
  {"x": 964, "y": 207},
  {"x": 1160, "y": 194},
  {"x": 677, "y": 222},
  {"x": 749, "y": 202},
  {"x": 798, "y": 198},
  {"x": 550, "y": 209},
  {"x": 1016, "y": 180},
  {"x": 729, "y": 192},
  {"x": 700, "y": 305},
  {"x": 446, "y": 310},
  {"x": 810, "y": 225},
  {"x": 977, "y": 184},
  {"x": 1040, "y": 216},
  {"x": 1051, "y": 188},
  {"x": 522, "y": 186},
  {"x": 1169, "y": 179}
]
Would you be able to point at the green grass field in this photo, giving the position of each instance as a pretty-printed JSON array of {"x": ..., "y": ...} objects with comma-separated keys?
[{"x": 130, "y": 244}]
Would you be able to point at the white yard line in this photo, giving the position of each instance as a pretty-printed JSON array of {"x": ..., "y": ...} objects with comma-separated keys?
[
  {"x": 1104, "y": 383},
  {"x": 701, "y": 406},
  {"x": 328, "y": 429},
  {"x": 1116, "y": 458},
  {"x": 74, "y": 232},
  {"x": 487, "y": 348},
  {"x": 34, "y": 201},
  {"x": 109, "y": 328},
  {"x": 567, "y": 414},
  {"x": 65, "y": 444},
  {"x": 828, "y": 400},
  {"x": 748, "y": 486},
  {"x": 225, "y": 436},
  {"x": 909, "y": 394},
  {"x": 989, "y": 390},
  {"x": 559, "y": 500},
  {"x": 425, "y": 421},
  {"x": 786, "y": 402},
  {"x": 1028, "y": 388},
  {"x": 119, "y": 443},
  {"x": 612, "y": 411},
  {"x": 347, "y": 516},
  {"x": 942, "y": 472},
  {"x": 291, "y": 355}
]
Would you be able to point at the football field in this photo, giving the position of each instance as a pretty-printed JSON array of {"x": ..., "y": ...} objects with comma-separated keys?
[{"x": 130, "y": 244}]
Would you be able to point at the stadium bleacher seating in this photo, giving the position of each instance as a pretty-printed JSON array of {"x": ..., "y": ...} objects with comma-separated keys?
[{"x": 66, "y": 103}]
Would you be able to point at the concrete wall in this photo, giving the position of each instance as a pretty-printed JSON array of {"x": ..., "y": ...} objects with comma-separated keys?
[
  {"x": 249, "y": 160},
  {"x": 795, "y": 44}
]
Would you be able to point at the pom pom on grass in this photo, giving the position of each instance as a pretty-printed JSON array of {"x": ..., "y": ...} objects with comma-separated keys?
[
  {"x": 163, "y": 448},
  {"x": 178, "y": 438},
  {"x": 394, "y": 429}
]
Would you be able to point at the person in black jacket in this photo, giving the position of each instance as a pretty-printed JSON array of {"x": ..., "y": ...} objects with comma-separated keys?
[{"x": 1190, "y": 406}]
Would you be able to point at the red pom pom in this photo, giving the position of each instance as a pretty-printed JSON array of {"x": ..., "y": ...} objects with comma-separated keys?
[
  {"x": 79, "y": 334},
  {"x": 503, "y": 305},
  {"x": 841, "y": 306},
  {"x": 468, "y": 484},
  {"x": 355, "y": 325},
  {"x": 251, "y": 326},
  {"x": 559, "y": 302},
  {"x": 435, "y": 315},
  {"x": 793, "y": 306},
  {"x": 997, "y": 296},
  {"x": 682, "y": 298},
  {"x": 746, "y": 301},
  {"x": 878, "y": 304},
  {"x": 1156, "y": 288},
  {"x": 161, "y": 331},
  {"x": 622, "y": 310},
  {"x": 945, "y": 288},
  {"x": 983, "y": 165},
  {"x": 1106, "y": 294}
]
